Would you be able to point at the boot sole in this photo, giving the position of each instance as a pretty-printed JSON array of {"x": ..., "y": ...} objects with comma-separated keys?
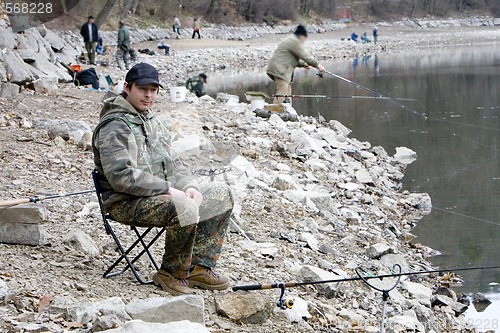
[
  {"x": 159, "y": 282},
  {"x": 205, "y": 286}
]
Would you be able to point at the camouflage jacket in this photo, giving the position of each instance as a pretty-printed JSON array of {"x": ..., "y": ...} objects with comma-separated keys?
[{"x": 133, "y": 156}]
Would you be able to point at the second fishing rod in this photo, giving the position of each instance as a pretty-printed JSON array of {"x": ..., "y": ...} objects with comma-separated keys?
[{"x": 375, "y": 94}]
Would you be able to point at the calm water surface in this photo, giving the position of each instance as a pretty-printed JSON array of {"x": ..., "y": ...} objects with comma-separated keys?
[{"x": 458, "y": 145}]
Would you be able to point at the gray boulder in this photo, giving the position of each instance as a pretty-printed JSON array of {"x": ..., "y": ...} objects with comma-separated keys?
[
  {"x": 165, "y": 310},
  {"x": 138, "y": 326}
]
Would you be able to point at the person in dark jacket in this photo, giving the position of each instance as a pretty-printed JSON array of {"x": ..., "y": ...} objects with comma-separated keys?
[{"x": 90, "y": 36}]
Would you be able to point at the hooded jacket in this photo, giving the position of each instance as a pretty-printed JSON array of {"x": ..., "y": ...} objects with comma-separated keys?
[
  {"x": 288, "y": 55},
  {"x": 133, "y": 155}
]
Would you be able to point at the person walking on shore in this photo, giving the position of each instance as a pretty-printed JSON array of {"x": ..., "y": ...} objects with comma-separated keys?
[
  {"x": 145, "y": 184},
  {"x": 196, "y": 28},
  {"x": 90, "y": 35},
  {"x": 289, "y": 54},
  {"x": 123, "y": 44},
  {"x": 177, "y": 26},
  {"x": 375, "y": 35}
]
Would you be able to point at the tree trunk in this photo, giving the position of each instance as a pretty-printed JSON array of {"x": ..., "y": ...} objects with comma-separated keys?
[
  {"x": 104, "y": 13},
  {"x": 127, "y": 7}
]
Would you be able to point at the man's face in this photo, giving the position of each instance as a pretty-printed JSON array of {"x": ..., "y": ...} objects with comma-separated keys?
[
  {"x": 141, "y": 97},
  {"x": 91, "y": 20},
  {"x": 302, "y": 38}
]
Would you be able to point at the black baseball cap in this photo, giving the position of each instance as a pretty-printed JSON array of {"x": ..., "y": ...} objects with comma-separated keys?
[
  {"x": 301, "y": 31},
  {"x": 143, "y": 74}
]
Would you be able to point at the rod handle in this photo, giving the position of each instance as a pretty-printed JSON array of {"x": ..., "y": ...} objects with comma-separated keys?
[
  {"x": 248, "y": 287},
  {"x": 14, "y": 202}
]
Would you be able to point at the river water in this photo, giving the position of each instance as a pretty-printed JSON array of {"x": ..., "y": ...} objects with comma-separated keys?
[{"x": 457, "y": 145}]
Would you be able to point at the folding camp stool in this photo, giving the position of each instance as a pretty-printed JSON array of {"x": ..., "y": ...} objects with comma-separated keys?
[{"x": 125, "y": 254}]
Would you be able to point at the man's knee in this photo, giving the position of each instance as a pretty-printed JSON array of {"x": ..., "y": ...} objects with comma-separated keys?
[{"x": 219, "y": 192}]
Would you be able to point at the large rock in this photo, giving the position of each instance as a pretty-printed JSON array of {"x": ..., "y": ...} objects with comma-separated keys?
[
  {"x": 322, "y": 200},
  {"x": 9, "y": 90},
  {"x": 23, "y": 234},
  {"x": 420, "y": 292},
  {"x": 82, "y": 242},
  {"x": 496, "y": 21},
  {"x": 378, "y": 250},
  {"x": 408, "y": 322},
  {"x": 165, "y": 310},
  {"x": 90, "y": 312},
  {"x": 405, "y": 155},
  {"x": 7, "y": 38},
  {"x": 138, "y": 326},
  {"x": 29, "y": 214},
  {"x": 303, "y": 139},
  {"x": 17, "y": 71},
  {"x": 311, "y": 273},
  {"x": 248, "y": 308},
  {"x": 457, "y": 307},
  {"x": 45, "y": 84}
]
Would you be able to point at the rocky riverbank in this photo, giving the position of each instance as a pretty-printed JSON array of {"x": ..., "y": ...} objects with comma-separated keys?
[{"x": 313, "y": 203}]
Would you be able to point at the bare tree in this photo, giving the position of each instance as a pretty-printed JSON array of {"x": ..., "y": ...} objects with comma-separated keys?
[{"x": 104, "y": 13}]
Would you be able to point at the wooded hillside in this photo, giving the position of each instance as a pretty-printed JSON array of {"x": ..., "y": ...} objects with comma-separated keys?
[{"x": 272, "y": 11}]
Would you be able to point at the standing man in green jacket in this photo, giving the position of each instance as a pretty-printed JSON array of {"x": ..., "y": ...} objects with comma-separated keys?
[
  {"x": 289, "y": 54},
  {"x": 143, "y": 183},
  {"x": 123, "y": 45}
]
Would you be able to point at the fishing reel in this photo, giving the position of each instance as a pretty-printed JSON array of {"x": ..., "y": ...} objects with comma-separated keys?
[
  {"x": 284, "y": 303},
  {"x": 320, "y": 74}
]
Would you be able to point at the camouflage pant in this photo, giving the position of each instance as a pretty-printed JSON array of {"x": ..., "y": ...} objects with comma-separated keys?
[{"x": 195, "y": 244}]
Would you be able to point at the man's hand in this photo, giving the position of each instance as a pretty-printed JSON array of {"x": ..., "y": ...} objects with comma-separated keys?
[
  {"x": 195, "y": 195},
  {"x": 321, "y": 68},
  {"x": 175, "y": 193},
  {"x": 307, "y": 66}
]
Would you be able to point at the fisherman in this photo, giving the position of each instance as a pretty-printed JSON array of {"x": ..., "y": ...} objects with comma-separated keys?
[
  {"x": 123, "y": 45},
  {"x": 288, "y": 55},
  {"x": 177, "y": 26},
  {"x": 90, "y": 34},
  {"x": 196, "y": 28},
  {"x": 145, "y": 184},
  {"x": 196, "y": 84},
  {"x": 375, "y": 35}
]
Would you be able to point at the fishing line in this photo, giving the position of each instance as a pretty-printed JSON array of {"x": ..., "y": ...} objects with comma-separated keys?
[{"x": 467, "y": 216}]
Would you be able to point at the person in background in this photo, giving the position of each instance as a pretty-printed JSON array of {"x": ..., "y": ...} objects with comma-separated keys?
[
  {"x": 90, "y": 34},
  {"x": 290, "y": 54},
  {"x": 375, "y": 35},
  {"x": 365, "y": 39},
  {"x": 100, "y": 47},
  {"x": 196, "y": 84},
  {"x": 354, "y": 37},
  {"x": 123, "y": 44},
  {"x": 177, "y": 26},
  {"x": 164, "y": 46},
  {"x": 196, "y": 28}
]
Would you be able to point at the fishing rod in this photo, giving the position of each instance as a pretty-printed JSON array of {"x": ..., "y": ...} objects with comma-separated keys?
[
  {"x": 390, "y": 100},
  {"x": 362, "y": 275},
  {"x": 40, "y": 198},
  {"x": 357, "y": 278},
  {"x": 341, "y": 97}
]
